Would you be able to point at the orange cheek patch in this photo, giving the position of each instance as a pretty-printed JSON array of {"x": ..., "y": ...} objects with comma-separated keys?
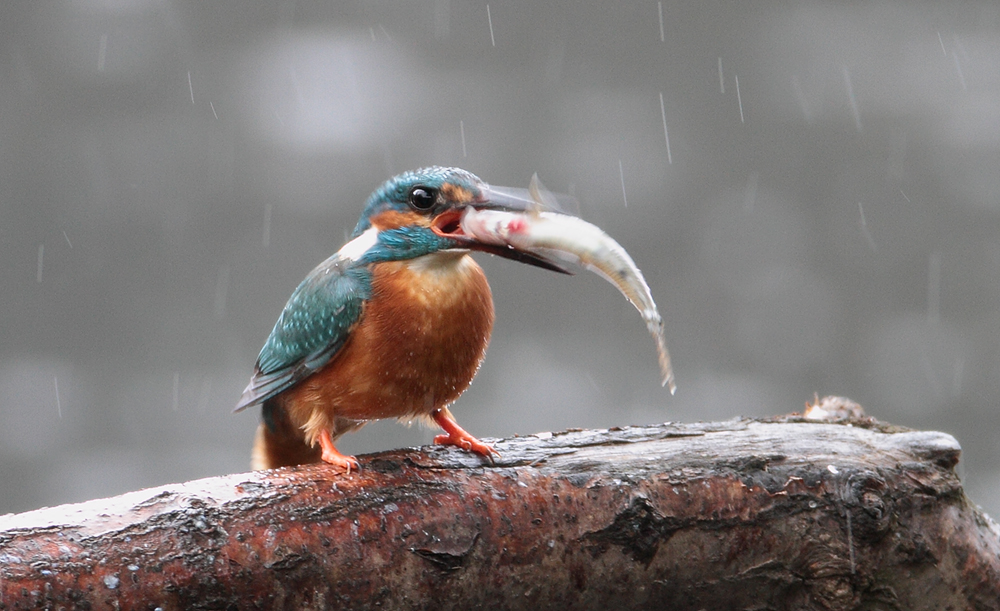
[
  {"x": 394, "y": 219},
  {"x": 455, "y": 193}
]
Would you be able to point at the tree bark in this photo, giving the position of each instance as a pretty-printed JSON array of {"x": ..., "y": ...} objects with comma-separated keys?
[{"x": 743, "y": 514}]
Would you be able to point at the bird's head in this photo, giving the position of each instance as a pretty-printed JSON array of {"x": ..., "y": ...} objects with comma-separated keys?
[{"x": 419, "y": 213}]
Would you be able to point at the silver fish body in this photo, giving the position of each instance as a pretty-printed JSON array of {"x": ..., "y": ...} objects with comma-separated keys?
[{"x": 576, "y": 240}]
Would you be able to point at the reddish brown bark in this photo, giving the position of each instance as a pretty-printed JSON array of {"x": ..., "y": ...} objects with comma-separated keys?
[{"x": 744, "y": 514}]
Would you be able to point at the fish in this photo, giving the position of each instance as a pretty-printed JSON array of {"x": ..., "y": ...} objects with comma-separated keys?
[{"x": 547, "y": 233}]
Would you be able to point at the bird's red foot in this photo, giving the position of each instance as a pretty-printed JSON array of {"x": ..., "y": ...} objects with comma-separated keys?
[
  {"x": 457, "y": 436},
  {"x": 332, "y": 456}
]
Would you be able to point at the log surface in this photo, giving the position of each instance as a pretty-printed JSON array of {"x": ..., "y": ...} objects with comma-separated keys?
[{"x": 743, "y": 514}]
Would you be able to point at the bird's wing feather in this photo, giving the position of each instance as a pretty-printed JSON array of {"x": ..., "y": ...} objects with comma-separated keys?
[{"x": 311, "y": 330}]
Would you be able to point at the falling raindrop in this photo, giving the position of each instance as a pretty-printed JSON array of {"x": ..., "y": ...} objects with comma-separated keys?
[
  {"x": 659, "y": 6},
  {"x": 722, "y": 81},
  {"x": 666, "y": 136},
  {"x": 214, "y": 114},
  {"x": 621, "y": 173},
  {"x": 41, "y": 259},
  {"x": 55, "y": 380},
  {"x": 102, "y": 52},
  {"x": 190, "y": 87},
  {"x": 941, "y": 40},
  {"x": 489, "y": 18},
  {"x": 934, "y": 287},
  {"x": 739, "y": 98},
  {"x": 461, "y": 127},
  {"x": 854, "y": 101},
  {"x": 177, "y": 386},
  {"x": 67, "y": 239},
  {"x": 864, "y": 229}
]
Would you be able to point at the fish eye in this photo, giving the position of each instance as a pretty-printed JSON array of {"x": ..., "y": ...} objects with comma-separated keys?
[{"x": 422, "y": 198}]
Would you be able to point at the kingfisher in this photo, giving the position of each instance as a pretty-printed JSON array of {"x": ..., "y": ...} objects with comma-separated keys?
[{"x": 395, "y": 324}]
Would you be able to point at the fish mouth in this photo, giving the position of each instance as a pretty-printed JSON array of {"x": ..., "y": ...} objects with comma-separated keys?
[{"x": 448, "y": 224}]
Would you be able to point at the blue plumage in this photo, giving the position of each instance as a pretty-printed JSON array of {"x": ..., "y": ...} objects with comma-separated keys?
[
  {"x": 406, "y": 243},
  {"x": 314, "y": 324}
]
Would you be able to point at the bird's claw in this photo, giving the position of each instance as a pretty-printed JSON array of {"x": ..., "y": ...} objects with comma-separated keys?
[
  {"x": 469, "y": 444},
  {"x": 332, "y": 456},
  {"x": 341, "y": 462},
  {"x": 447, "y": 440},
  {"x": 457, "y": 436}
]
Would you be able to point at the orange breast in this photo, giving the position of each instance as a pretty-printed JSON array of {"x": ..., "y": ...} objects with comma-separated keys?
[{"x": 416, "y": 348}]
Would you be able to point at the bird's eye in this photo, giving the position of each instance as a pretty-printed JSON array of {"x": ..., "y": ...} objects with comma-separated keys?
[{"x": 422, "y": 198}]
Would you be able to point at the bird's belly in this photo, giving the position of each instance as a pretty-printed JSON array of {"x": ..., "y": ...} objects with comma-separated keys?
[{"x": 416, "y": 348}]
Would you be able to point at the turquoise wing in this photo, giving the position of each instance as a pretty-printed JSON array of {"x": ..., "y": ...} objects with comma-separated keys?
[{"x": 312, "y": 328}]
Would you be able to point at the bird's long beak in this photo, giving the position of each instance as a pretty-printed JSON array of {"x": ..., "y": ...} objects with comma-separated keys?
[{"x": 448, "y": 224}]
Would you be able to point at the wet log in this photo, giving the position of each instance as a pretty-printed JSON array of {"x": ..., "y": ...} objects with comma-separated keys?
[{"x": 743, "y": 514}]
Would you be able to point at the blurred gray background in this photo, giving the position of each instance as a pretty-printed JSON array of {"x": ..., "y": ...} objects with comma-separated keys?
[{"x": 826, "y": 218}]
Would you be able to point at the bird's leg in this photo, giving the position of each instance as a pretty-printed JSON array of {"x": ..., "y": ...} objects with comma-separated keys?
[
  {"x": 457, "y": 436},
  {"x": 332, "y": 456}
]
